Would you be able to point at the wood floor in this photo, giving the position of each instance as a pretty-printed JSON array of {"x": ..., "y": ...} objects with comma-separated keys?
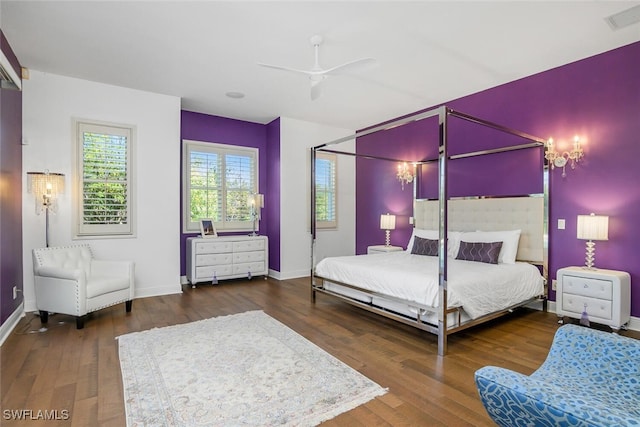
[{"x": 77, "y": 371}]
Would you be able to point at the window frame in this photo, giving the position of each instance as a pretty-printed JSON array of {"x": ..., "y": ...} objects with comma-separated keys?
[
  {"x": 90, "y": 231},
  {"x": 188, "y": 145},
  {"x": 332, "y": 157}
]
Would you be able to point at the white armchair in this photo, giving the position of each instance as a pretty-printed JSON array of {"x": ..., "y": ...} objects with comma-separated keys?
[{"x": 69, "y": 280}]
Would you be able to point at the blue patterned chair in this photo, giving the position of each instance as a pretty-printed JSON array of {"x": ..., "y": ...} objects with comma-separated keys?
[{"x": 590, "y": 378}]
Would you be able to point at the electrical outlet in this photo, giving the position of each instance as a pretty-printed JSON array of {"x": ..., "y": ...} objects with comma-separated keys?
[
  {"x": 554, "y": 284},
  {"x": 15, "y": 292}
]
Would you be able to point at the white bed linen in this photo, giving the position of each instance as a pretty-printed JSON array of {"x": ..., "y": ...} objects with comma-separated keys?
[{"x": 477, "y": 287}]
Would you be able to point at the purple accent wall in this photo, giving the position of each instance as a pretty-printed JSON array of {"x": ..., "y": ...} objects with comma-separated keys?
[
  {"x": 11, "y": 200},
  {"x": 597, "y": 98},
  {"x": 204, "y": 127},
  {"x": 272, "y": 195}
]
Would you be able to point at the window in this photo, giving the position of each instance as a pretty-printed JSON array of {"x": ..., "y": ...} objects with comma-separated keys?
[
  {"x": 326, "y": 191},
  {"x": 104, "y": 179},
  {"x": 217, "y": 182}
]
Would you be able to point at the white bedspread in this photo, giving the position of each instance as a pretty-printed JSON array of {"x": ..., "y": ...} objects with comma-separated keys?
[{"x": 477, "y": 287}]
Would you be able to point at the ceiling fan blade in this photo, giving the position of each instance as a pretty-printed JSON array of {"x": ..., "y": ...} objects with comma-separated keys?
[
  {"x": 291, "y": 70},
  {"x": 315, "y": 89},
  {"x": 352, "y": 66}
]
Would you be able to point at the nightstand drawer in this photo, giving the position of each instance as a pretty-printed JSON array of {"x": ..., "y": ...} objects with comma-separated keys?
[
  {"x": 588, "y": 287},
  {"x": 594, "y": 307}
]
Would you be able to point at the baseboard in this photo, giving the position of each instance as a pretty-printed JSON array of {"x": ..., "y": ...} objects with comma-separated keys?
[
  {"x": 10, "y": 324},
  {"x": 288, "y": 274},
  {"x": 634, "y": 322},
  {"x": 158, "y": 291}
]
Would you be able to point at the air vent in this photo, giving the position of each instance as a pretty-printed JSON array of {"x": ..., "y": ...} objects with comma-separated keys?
[
  {"x": 9, "y": 79},
  {"x": 624, "y": 19}
]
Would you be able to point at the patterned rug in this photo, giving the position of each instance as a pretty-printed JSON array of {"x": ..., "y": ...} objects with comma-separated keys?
[{"x": 245, "y": 369}]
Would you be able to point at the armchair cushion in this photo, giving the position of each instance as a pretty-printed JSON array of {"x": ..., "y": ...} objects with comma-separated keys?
[
  {"x": 69, "y": 280},
  {"x": 590, "y": 378}
]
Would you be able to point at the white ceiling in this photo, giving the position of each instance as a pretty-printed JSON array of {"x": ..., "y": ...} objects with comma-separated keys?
[{"x": 428, "y": 52}]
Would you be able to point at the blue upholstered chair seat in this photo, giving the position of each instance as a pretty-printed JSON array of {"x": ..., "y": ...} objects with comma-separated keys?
[{"x": 590, "y": 378}]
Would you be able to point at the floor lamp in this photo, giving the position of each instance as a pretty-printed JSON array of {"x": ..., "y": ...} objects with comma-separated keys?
[{"x": 45, "y": 187}]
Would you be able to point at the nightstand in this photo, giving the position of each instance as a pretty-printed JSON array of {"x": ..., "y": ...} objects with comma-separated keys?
[
  {"x": 378, "y": 249},
  {"x": 605, "y": 294}
]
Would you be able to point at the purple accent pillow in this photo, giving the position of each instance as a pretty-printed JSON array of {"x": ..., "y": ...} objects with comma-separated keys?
[
  {"x": 480, "y": 252},
  {"x": 426, "y": 247}
]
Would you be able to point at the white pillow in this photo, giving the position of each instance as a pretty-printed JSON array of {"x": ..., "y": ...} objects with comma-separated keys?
[
  {"x": 509, "y": 239},
  {"x": 453, "y": 242}
]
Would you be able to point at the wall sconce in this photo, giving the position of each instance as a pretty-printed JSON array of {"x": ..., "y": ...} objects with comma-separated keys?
[
  {"x": 255, "y": 202},
  {"x": 387, "y": 223},
  {"x": 560, "y": 160},
  {"x": 45, "y": 187},
  {"x": 592, "y": 227},
  {"x": 404, "y": 175}
]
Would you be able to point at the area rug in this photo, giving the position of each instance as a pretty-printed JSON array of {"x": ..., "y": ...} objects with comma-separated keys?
[{"x": 245, "y": 369}]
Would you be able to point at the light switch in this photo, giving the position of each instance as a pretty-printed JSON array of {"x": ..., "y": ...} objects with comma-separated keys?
[{"x": 561, "y": 224}]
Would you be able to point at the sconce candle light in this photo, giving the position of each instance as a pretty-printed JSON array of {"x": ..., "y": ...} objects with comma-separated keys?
[
  {"x": 556, "y": 159},
  {"x": 387, "y": 223},
  {"x": 592, "y": 227},
  {"x": 45, "y": 187},
  {"x": 404, "y": 175}
]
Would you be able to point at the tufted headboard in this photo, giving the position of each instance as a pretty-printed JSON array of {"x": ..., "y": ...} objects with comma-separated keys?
[{"x": 506, "y": 213}]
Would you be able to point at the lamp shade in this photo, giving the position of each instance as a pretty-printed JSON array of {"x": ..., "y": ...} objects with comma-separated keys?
[
  {"x": 387, "y": 222},
  {"x": 45, "y": 184},
  {"x": 256, "y": 199},
  {"x": 593, "y": 227}
]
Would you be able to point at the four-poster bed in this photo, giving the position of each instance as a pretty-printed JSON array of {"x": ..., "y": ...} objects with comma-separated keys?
[{"x": 433, "y": 298}]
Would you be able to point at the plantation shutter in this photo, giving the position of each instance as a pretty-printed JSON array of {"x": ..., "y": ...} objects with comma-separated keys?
[
  {"x": 326, "y": 191},
  {"x": 220, "y": 180},
  {"x": 104, "y": 165},
  {"x": 205, "y": 184}
]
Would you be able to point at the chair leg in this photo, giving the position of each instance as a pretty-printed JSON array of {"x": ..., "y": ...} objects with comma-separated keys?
[
  {"x": 127, "y": 305},
  {"x": 80, "y": 322},
  {"x": 44, "y": 316}
]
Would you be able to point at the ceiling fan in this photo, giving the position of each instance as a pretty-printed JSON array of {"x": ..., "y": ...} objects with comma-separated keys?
[{"x": 317, "y": 74}]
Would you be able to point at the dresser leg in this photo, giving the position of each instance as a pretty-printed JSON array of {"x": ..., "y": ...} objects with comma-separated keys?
[{"x": 561, "y": 320}]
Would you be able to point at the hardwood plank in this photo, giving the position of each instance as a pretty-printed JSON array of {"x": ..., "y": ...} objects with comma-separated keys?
[{"x": 79, "y": 370}]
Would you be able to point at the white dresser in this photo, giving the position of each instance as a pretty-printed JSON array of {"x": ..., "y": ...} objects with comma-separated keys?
[
  {"x": 604, "y": 294},
  {"x": 227, "y": 257}
]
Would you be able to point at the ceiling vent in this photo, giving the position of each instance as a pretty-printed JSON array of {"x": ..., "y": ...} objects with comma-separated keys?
[
  {"x": 9, "y": 79},
  {"x": 624, "y": 19}
]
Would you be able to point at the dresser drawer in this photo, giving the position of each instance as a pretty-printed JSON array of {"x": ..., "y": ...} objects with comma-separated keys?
[
  {"x": 241, "y": 257},
  {"x": 248, "y": 267},
  {"x": 213, "y": 247},
  {"x": 594, "y": 307},
  {"x": 206, "y": 273},
  {"x": 249, "y": 245},
  {"x": 588, "y": 287},
  {"x": 214, "y": 259}
]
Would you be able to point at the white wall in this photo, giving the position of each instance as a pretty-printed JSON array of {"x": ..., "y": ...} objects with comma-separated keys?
[
  {"x": 296, "y": 139},
  {"x": 49, "y": 104}
]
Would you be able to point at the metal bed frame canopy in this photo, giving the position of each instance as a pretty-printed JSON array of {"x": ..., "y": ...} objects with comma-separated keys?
[{"x": 443, "y": 113}]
